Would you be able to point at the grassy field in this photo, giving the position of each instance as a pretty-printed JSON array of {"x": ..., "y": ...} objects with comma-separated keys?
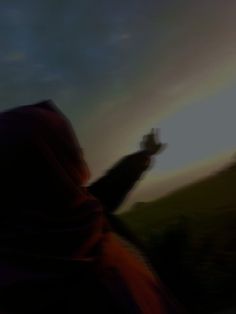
[{"x": 190, "y": 237}]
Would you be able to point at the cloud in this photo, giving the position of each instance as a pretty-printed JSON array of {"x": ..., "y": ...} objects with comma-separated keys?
[
  {"x": 15, "y": 56},
  {"x": 125, "y": 36}
]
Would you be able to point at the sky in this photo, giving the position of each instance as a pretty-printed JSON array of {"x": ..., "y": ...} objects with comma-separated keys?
[{"x": 119, "y": 68}]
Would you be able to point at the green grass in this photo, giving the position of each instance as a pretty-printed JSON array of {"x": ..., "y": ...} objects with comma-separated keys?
[{"x": 190, "y": 236}]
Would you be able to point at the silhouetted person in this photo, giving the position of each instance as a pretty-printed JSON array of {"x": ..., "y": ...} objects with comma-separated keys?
[{"x": 58, "y": 251}]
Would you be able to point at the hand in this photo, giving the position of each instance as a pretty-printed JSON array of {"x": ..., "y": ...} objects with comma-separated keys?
[{"x": 151, "y": 143}]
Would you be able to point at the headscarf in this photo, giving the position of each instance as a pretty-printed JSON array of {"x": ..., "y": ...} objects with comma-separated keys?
[{"x": 43, "y": 204}]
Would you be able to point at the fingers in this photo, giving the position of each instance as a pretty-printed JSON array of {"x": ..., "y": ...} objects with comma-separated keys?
[{"x": 155, "y": 133}]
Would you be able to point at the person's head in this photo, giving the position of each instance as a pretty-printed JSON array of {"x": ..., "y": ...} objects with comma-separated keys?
[{"x": 41, "y": 161}]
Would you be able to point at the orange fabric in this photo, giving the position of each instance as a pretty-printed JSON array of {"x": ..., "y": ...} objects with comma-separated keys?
[{"x": 119, "y": 267}]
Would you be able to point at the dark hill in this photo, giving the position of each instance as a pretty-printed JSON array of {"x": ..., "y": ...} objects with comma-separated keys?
[{"x": 190, "y": 236}]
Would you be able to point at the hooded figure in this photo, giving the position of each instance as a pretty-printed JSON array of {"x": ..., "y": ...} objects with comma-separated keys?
[{"x": 58, "y": 250}]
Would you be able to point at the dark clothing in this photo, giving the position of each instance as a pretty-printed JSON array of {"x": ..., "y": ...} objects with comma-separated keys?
[
  {"x": 58, "y": 252},
  {"x": 112, "y": 188}
]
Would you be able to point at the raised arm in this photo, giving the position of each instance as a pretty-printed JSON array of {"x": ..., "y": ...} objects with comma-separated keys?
[{"x": 113, "y": 187}]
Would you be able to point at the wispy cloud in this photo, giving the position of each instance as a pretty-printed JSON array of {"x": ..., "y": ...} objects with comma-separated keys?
[{"x": 15, "y": 56}]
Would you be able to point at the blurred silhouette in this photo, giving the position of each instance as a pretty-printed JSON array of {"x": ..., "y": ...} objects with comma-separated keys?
[{"x": 58, "y": 248}]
